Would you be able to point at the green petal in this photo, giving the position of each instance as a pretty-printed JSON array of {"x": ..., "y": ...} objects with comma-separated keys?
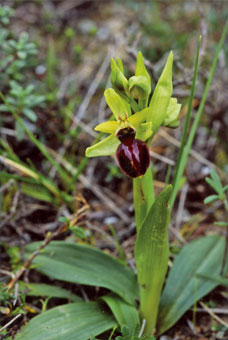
[
  {"x": 107, "y": 127},
  {"x": 144, "y": 131},
  {"x": 139, "y": 117},
  {"x": 106, "y": 147},
  {"x": 118, "y": 106},
  {"x": 161, "y": 97}
]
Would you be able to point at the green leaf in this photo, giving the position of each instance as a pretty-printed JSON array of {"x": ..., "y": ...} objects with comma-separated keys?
[
  {"x": 225, "y": 188},
  {"x": 74, "y": 321},
  {"x": 221, "y": 224},
  {"x": 106, "y": 147},
  {"x": 212, "y": 184},
  {"x": 143, "y": 192},
  {"x": 161, "y": 97},
  {"x": 86, "y": 265},
  {"x": 37, "y": 191},
  {"x": 151, "y": 256},
  {"x": 218, "y": 279},
  {"x": 119, "y": 107},
  {"x": 19, "y": 131},
  {"x": 210, "y": 199},
  {"x": 30, "y": 114},
  {"x": 216, "y": 180},
  {"x": 42, "y": 289},
  {"x": 202, "y": 256},
  {"x": 124, "y": 313}
]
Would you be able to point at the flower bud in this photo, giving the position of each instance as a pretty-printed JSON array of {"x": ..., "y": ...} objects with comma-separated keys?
[
  {"x": 139, "y": 87},
  {"x": 118, "y": 80},
  {"x": 171, "y": 119}
]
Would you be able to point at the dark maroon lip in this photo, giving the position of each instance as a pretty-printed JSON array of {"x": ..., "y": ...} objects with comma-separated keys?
[{"x": 132, "y": 154}]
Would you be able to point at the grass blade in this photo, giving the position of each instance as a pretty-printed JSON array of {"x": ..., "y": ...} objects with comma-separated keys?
[
  {"x": 187, "y": 147},
  {"x": 185, "y": 129},
  {"x": 66, "y": 179}
]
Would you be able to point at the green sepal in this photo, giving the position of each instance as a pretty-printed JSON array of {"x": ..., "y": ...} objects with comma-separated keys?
[
  {"x": 120, "y": 108},
  {"x": 139, "y": 87},
  {"x": 118, "y": 80},
  {"x": 161, "y": 97},
  {"x": 144, "y": 131},
  {"x": 105, "y": 147},
  {"x": 171, "y": 119},
  {"x": 107, "y": 127}
]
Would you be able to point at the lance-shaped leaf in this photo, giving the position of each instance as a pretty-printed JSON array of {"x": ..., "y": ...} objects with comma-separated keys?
[
  {"x": 86, "y": 265},
  {"x": 161, "y": 97},
  {"x": 120, "y": 108},
  {"x": 124, "y": 313},
  {"x": 74, "y": 321},
  {"x": 143, "y": 192},
  {"x": 187, "y": 282},
  {"x": 43, "y": 289},
  {"x": 151, "y": 255}
]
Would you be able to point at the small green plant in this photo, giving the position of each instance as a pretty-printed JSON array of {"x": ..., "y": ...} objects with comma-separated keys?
[
  {"x": 15, "y": 58},
  {"x": 138, "y": 116},
  {"x": 24, "y": 101},
  {"x": 221, "y": 195}
]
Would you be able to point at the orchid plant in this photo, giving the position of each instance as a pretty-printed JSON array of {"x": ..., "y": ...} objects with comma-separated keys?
[{"x": 137, "y": 119}]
